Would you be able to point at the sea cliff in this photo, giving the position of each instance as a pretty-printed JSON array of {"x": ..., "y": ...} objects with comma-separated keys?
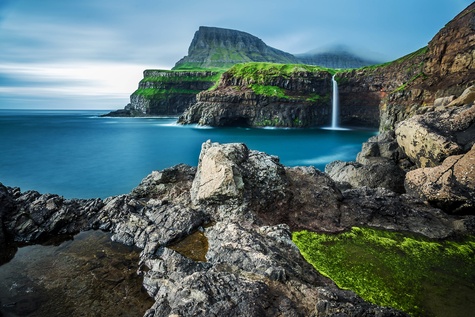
[
  {"x": 379, "y": 95},
  {"x": 265, "y": 94},
  {"x": 166, "y": 93}
]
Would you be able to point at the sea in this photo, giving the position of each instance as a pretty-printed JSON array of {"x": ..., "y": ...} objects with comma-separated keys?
[{"x": 79, "y": 154}]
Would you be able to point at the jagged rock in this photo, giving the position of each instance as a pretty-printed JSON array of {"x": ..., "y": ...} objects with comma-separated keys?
[
  {"x": 314, "y": 202},
  {"x": 382, "y": 208},
  {"x": 36, "y": 217},
  {"x": 153, "y": 227},
  {"x": 381, "y": 148},
  {"x": 218, "y": 177},
  {"x": 381, "y": 163},
  {"x": 170, "y": 184},
  {"x": 430, "y": 138},
  {"x": 250, "y": 271},
  {"x": 234, "y": 179},
  {"x": 245, "y": 212},
  {"x": 449, "y": 186}
]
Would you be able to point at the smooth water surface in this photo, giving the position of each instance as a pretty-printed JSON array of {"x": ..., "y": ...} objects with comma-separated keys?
[
  {"x": 78, "y": 154},
  {"x": 87, "y": 276}
]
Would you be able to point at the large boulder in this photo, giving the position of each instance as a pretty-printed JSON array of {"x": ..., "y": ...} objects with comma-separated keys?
[
  {"x": 381, "y": 163},
  {"x": 219, "y": 177},
  {"x": 449, "y": 186},
  {"x": 430, "y": 138},
  {"x": 234, "y": 179}
]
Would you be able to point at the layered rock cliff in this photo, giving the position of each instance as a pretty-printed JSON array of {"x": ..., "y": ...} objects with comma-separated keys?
[
  {"x": 167, "y": 93},
  {"x": 400, "y": 89},
  {"x": 264, "y": 94},
  {"x": 380, "y": 95}
]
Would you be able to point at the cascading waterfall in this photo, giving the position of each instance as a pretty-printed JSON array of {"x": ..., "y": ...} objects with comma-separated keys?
[{"x": 335, "y": 105}]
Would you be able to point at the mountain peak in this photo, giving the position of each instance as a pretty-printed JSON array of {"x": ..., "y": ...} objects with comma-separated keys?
[{"x": 218, "y": 47}]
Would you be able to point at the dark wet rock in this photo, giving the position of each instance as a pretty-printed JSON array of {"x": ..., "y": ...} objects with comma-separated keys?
[
  {"x": 382, "y": 208},
  {"x": 36, "y": 216},
  {"x": 253, "y": 271},
  {"x": 244, "y": 204}
]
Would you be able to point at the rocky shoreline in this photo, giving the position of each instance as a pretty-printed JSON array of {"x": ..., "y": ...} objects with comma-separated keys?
[
  {"x": 245, "y": 204},
  {"x": 417, "y": 176}
]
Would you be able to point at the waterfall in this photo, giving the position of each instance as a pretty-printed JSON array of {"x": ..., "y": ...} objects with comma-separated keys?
[{"x": 335, "y": 105}]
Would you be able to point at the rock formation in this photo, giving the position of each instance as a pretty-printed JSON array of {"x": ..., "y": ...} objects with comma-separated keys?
[
  {"x": 166, "y": 93},
  {"x": 245, "y": 213},
  {"x": 430, "y": 138},
  {"x": 380, "y": 95},
  {"x": 435, "y": 149},
  {"x": 406, "y": 86},
  {"x": 217, "y": 47},
  {"x": 449, "y": 186},
  {"x": 261, "y": 94},
  {"x": 244, "y": 203}
]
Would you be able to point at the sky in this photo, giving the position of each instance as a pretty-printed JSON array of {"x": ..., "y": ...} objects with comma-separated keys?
[{"x": 90, "y": 54}]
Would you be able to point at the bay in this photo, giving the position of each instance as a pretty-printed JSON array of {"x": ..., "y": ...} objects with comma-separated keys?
[{"x": 78, "y": 154}]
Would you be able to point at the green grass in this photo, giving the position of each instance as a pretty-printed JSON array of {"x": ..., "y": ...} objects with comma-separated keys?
[
  {"x": 150, "y": 93},
  {"x": 271, "y": 91},
  {"x": 180, "y": 79},
  {"x": 260, "y": 73},
  {"x": 318, "y": 98},
  {"x": 405, "y": 58},
  {"x": 414, "y": 274}
]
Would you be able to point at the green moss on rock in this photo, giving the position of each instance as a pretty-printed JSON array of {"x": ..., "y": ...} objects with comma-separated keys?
[{"x": 420, "y": 276}]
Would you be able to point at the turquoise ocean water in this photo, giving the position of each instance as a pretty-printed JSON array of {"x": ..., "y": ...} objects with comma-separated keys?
[{"x": 78, "y": 154}]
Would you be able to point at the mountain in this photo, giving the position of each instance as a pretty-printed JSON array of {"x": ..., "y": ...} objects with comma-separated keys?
[
  {"x": 222, "y": 48},
  {"x": 380, "y": 95},
  {"x": 337, "y": 57}
]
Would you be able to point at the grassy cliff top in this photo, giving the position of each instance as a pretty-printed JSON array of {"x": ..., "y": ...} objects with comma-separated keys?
[{"x": 256, "y": 70}]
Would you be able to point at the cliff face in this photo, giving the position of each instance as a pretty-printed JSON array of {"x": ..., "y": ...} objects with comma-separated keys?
[
  {"x": 379, "y": 95},
  {"x": 407, "y": 86},
  {"x": 217, "y": 47},
  {"x": 167, "y": 93},
  {"x": 363, "y": 91},
  {"x": 260, "y": 94}
]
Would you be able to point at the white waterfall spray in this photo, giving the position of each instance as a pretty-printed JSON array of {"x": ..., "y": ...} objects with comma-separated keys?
[{"x": 335, "y": 105}]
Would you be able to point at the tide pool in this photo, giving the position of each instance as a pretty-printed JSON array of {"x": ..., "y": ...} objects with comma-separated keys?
[{"x": 78, "y": 154}]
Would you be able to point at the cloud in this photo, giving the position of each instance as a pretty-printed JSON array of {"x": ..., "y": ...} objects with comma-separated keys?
[
  {"x": 107, "y": 86},
  {"x": 98, "y": 49}
]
